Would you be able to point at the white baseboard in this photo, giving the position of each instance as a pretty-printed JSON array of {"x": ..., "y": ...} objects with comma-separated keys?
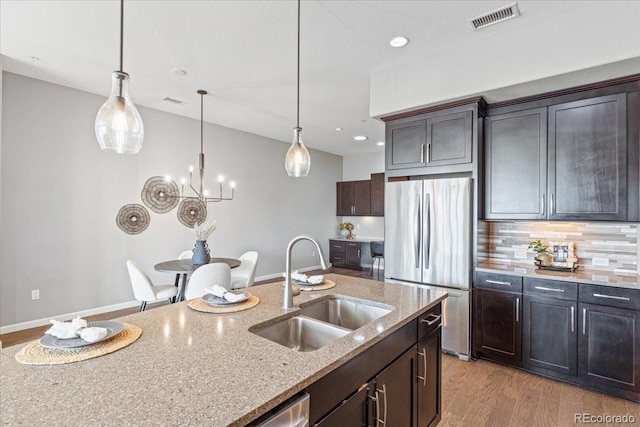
[{"x": 42, "y": 322}]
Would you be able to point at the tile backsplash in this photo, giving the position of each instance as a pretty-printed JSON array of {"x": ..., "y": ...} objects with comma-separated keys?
[{"x": 615, "y": 241}]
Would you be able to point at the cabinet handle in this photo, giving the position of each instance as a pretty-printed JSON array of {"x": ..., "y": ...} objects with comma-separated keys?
[
  {"x": 498, "y": 282},
  {"x": 542, "y": 202},
  {"x": 551, "y": 205},
  {"x": 384, "y": 391},
  {"x": 584, "y": 321},
  {"x": 431, "y": 322},
  {"x": 429, "y": 153},
  {"x": 352, "y": 244},
  {"x": 336, "y": 246},
  {"x": 377, "y": 400},
  {"x": 422, "y": 153},
  {"x": 573, "y": 321},
  {"x": 612, "y": 297},
  {"x": 337, "y": 258},
  {"x": 517, "y": 309},
  {"x": 423, "y": 353},
  {"x": 542, "y": 288}
]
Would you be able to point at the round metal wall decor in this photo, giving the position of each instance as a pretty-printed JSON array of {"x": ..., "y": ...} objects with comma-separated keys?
[
  {"x": 192, "y": 212},
  {"x": 159, "y": 195},
  {"x": 133, "y": 219}
]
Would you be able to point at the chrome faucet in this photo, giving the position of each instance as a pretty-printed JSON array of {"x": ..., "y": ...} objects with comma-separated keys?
[{"x": 288, "y": 292}]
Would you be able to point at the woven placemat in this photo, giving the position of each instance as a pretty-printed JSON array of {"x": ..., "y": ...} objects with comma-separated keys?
[
  {"x": 198, "y": 304},
  {"x": 328, "y": 284},
  {"x": 34, "y": 354}
]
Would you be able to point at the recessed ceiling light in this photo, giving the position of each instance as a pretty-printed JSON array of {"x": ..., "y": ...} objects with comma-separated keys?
[
  {"x": 399, "y": 41},
  {"x": 380, "y": 143},
  {"x": 360, "y": 138},
  {"x": 338, "y": 129},
  {"x": 179, "y": 72}
]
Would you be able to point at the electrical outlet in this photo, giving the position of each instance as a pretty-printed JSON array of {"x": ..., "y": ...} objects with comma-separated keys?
[
  {"x": 520, "y": 254},
  {"x": 357, "y": 226},
  {"x": 35, "y": 294},
  {"x": 603, "y": 262},
  {"x": 313, "y": 253}
]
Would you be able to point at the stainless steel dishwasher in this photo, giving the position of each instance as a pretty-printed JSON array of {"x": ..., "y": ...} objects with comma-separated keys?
[{"x": 293, "y": 413}]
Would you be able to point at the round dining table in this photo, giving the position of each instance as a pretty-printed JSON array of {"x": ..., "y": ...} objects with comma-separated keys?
[{"x": 184, "y": 267}]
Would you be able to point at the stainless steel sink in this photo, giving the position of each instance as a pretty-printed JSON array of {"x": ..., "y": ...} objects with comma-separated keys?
[
  {"x": 346, "y": 313},
  {"x": 300, "y": 333}
]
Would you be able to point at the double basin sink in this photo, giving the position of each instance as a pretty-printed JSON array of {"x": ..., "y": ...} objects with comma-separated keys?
[{"x": 321, "y": 322}]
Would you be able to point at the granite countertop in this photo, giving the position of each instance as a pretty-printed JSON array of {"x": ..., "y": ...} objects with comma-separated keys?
[
  {"x": 359, "y": 239},
  {"x": 193, "y": 368},
  {"x": 595, "y": 277}
]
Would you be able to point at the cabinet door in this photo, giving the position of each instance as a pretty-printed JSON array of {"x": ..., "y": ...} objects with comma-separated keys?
[
  {"x": 428, "y": 394},
  {"x": 516, "y": 165},
  {"x": 394, "y": 397},
  {"x": 549, "y": 334},
  {"x": 405, "y": 145},
  {"x": 353, "y": 254},
  {"x": 609, "y": 347},
  {"x": 449, "y": 139},
  {"x": 362, "y": 197},
  {"x": 344, "y": 191},
  {"x": 351, "y": 412},
  {"x": 377, "y": 194},
  {"x": 498, "y": 333},
  {"x": 588, "y": 159}
]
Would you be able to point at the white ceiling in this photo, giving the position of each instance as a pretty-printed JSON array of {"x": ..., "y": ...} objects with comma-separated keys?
[{"x": 244, "y": 54}]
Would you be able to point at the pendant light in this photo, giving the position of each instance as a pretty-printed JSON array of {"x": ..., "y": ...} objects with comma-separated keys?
[
  {"x": 298, "y": 161},
  {"x": 118, "y": 126}
]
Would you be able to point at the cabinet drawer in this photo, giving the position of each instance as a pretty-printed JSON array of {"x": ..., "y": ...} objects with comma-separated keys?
[
  {"x": 551, "y": 288},
  {"x": 501, "y": 282},
  {"x": 337, "y": 246},
  {"x": 338, "y": 259},
  {"x": 610, "y": 296},
  {"x": 429, "y": 321}
]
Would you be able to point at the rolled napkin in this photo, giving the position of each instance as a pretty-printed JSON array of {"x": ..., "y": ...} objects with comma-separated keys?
[
  {"x": 299, "y": 277},
  {"x": 315, "y": 280},
  {"x": 94, "y": 334},
  {"x": 221, "y": 292},
  {"x": 303, "y": 278},
  {"x": 66, "y": 330}
]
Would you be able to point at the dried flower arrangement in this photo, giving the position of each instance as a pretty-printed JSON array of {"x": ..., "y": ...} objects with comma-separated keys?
[
  {"x": 204, "y": 230},
  {"x": 345, "y": 226}
]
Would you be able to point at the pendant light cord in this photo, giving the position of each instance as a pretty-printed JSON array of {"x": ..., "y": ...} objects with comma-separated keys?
[
  {"x": 201, "y": 121},
  {"x": 121, "y": 31},
  {"x": 298, "y": 88}
]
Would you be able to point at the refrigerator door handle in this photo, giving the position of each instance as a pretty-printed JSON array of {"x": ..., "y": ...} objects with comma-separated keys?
[
  {"x": 427, "y": 235},
  {"x": 418, "y": 230}
]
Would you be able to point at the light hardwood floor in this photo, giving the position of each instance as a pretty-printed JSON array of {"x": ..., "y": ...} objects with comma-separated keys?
[{"x": 476, "y": 393}]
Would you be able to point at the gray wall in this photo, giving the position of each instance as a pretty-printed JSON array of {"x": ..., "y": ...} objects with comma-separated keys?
[{"x": 60, "y": 196}]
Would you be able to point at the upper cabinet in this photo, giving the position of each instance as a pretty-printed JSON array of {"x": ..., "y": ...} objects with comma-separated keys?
[
  {"x": 432, "y": 141},
  {"x": 570, "y": 160},
  {"x": 354, "y": 198},
  {"x": 377, "y": 194}
]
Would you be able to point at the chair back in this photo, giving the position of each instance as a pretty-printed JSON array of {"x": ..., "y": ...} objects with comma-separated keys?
[
  {"x": 186, "y": 254},
  {"x": 244, "y": 275},
  {"x": 140, "y": 283},
  {"x": 208, "y": 275},
  {"x": 377, "y": 249}
]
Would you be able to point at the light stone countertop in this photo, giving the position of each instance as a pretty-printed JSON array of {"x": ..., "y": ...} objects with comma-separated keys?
[
  {"x": 193, "y": 368},
  {"x": 359, "y": 239},
  {"x": 594, "y": 277}
]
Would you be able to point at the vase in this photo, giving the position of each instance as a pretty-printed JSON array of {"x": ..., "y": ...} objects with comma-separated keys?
[
  {"x": 545, "y": 259},
  {"x": 344, "y": 232},
  {"x": 201, "y": 253}
]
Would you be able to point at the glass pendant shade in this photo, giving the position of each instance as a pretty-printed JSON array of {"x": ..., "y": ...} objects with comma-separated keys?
[
  {"x": 119, "y": 127},
  {"x": 298, "y": 161}
]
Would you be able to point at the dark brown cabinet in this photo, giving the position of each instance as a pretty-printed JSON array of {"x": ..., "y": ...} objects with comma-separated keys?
[
  {"x": 393, "y": 401},
  {"x": 439, "y": 139},
  {"x": 588, "y": 159},
  {"x": 354, "y": 198},
  {"x": 516, "y": 165},
  {"x": 550, "y": 326},
  {"x": 377, "y": 194},
  {"x": 345, "y": 254},
  {"x": 429, "y": 368},
  {"x": 351, "y": 412}
]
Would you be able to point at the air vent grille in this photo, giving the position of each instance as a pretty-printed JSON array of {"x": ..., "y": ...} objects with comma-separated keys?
[
  {"x": 173, "y": 101},
  {"x": 498, "y": 15}
]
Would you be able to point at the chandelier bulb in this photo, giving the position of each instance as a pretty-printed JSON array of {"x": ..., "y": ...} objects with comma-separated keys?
[{"x": 298, "y": 161}]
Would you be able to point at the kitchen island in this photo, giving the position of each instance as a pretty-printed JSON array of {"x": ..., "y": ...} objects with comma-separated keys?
[{"x": 193, "y": 368}]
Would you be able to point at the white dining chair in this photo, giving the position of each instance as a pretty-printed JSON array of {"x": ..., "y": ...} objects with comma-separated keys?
[
  {"x": 144, "y": 290},
  {"x": 186, "y": 254},
  {"x": 208, "y": 275},
  {"x": 244, "y": 275}
]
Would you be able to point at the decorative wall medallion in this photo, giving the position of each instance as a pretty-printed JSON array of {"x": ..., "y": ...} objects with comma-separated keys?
[
  {"x": 192, "y": 212},
  {"x": 159, "y": 195},
  {"x": 133, "y": 219}
]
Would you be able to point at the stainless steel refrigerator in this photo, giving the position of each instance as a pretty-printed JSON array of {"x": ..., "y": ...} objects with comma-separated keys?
[{"x": 428, "y": 243}]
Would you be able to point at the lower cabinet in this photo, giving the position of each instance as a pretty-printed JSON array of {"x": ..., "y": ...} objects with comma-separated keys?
[
  {"x": 497, "y": 330},
  {"x": 405, "y": 392},
  {"x": 345, "y": 254}
]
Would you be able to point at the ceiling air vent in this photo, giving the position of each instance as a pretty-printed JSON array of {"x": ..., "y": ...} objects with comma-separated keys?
[
  {"x": 173, "y": 101},
  {"x": 495, "y": 16}
]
